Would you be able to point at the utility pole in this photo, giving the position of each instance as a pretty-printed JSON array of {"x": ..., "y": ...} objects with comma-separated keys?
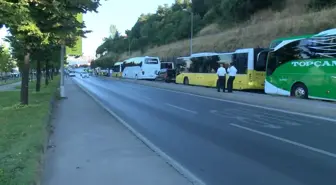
[
  {"x": 191, "y": 29},
  {"x": 62, "y": 90},
  {"x": 191, "y": 32},
  {"x": 129, "y": 47}
]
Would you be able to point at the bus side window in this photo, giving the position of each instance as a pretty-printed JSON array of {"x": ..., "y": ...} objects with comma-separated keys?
[
  {"x": 205, "y": 62},
  {"x": 213, "y": 64},
  {"x": 195, "y": 65},
  {"x": 240, "y": 62}
]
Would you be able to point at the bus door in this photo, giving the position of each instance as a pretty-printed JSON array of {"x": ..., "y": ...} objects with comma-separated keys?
[
  {"x": 332, "y": 86},
  {"x": 240, "y": 61},
  {"x": 196, "y": 77},
  {"x": 259, "y": 75},
  {"x": 210, "y": 71}
]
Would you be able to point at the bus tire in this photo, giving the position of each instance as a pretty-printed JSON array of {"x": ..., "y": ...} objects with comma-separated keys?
[
  {"x": 299, "y": 90},
  {"x": 186, "y": 81}
]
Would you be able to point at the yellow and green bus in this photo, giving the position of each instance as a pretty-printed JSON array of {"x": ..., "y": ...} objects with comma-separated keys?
[
  {"x": 200, "y": 69},
  {"x": 117, "y": 70}
]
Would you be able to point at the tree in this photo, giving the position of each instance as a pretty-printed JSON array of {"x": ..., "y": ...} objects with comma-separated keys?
[
  {"x": 41, "y": 24},
  {"x": 6, "y": 62},
  {"x": 319, "y": 4},
  {"x": 172, "y": 23}
]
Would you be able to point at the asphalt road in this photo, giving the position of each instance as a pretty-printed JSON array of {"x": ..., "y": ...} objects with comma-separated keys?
[{"x": 225, "y": 143}]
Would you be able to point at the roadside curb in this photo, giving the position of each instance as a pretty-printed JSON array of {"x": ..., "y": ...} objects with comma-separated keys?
[
  {"x": 48, "y": 129},
  {"x": 179, "y": 168}
]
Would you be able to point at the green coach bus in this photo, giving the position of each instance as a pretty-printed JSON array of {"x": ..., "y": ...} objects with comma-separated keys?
[
  {"x": 303, "y": 67},
  {"x": 277, "y": 41}
]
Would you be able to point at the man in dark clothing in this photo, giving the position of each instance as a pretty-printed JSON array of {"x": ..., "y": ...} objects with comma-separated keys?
[{"x": 232, "y": 71}]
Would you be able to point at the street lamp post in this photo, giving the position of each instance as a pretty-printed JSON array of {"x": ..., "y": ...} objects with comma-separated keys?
[
  {"x": 191, "y": 29},
  {"x": 129, "y": 47},
  {"x": 62, "y": 90}
]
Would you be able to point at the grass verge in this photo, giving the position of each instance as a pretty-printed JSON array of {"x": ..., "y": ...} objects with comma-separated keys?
[{"x": 23, "y": 133}]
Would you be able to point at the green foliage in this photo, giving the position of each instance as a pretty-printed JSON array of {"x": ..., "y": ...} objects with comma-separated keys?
[
  {"x": 319, "y": 4},
  {"x": 38, "y": 30},
  {"x": 6, "y": 62},
  {"x": 173, "y": 23},
  {"x": 23, "y": 134},
  {"x": 168, "y": 24},
  {"x": 106, "y": 61}
]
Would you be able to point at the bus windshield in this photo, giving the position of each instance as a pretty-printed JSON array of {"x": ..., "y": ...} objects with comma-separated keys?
[
  {"x": 275, "y": 43},
  {"x": 151, "y": 61}
]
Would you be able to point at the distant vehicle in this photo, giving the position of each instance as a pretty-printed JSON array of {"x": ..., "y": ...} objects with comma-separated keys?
[
  {"x": 200, "y": 68},
  {"x": 167, "y": 72},
  {"x": 85, "y": 75},
  {"x": 303, "y": 68},
  {"x": 72, "y": 74},
  {"x": 117, "y": 69},
  {"x": 141, "y": 68}
]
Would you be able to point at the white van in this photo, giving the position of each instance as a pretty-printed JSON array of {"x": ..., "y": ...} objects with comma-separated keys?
[{"x": 141, "y": 68}]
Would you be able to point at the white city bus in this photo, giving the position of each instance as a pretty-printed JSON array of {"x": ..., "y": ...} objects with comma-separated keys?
[{"x": 141, "y": 68}]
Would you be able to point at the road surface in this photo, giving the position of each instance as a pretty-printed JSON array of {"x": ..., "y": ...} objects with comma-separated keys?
[{"x": 225, "y": 143}]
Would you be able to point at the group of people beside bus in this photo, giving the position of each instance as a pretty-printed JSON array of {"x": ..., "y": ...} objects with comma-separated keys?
[{"x": 221, "y": 81}]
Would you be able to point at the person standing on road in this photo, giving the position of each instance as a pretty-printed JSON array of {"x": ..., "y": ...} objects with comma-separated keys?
[
  {"x": 221, "y": 72},
  {"x": 232, "y": 70}
]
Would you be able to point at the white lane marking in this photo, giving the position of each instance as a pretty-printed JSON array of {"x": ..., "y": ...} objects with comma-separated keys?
[
  {"x": 247, "y": 104},
  {"x": 177, "y": 166},
  {"x": 181, "y": 108},
  {"x": 286, "y": 141}
]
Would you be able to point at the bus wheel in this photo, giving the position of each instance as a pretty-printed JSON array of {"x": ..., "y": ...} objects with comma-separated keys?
[
  {"x": 299, "y": 90},
  {"x": 186, "y": 81}
]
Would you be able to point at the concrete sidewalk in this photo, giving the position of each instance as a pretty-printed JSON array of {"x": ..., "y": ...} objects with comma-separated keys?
[
  {"x": 89, "y": 147},
  {"x": 10, "y": 87}
]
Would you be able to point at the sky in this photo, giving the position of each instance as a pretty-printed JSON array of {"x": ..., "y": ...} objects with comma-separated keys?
[{"x": 121, "y": 13}]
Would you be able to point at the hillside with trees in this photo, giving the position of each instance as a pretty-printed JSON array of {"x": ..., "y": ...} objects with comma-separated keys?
[{"x": 218, "y": 25}]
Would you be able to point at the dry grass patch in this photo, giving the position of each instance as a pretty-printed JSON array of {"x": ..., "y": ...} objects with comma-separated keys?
[{"x": 256, "y": 32}]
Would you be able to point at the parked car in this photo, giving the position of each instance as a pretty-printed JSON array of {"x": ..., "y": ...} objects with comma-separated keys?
[
  {"x": 167, "y": 72},
  {"x": 167, "y": 75},
  {"x": 72, "y": 74}
]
